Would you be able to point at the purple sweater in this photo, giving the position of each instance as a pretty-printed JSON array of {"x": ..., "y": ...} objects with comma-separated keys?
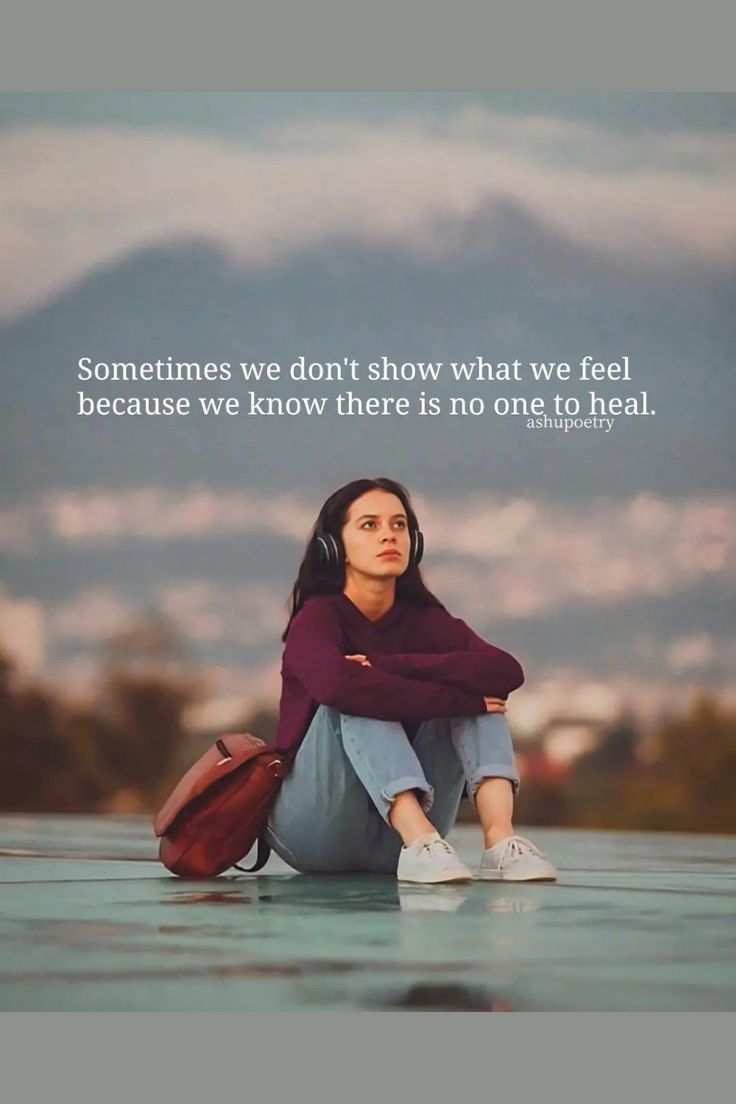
[{"x": 425, "y": 663}]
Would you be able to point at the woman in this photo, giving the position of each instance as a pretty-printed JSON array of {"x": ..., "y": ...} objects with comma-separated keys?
[{"x": 395, "y": 706}]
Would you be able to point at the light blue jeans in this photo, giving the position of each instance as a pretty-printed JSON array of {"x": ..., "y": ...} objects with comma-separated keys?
[{"x": 331, "y": 813}]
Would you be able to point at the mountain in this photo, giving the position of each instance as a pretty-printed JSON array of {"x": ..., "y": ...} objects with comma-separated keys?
[{"x": 499, "y": 284}]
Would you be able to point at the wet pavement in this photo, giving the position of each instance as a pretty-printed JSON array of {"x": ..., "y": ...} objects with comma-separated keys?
[{"x": 89, "y": 920}]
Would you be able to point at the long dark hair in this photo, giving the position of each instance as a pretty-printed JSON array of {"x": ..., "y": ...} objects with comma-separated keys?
[{"x": 315, "y": 579}]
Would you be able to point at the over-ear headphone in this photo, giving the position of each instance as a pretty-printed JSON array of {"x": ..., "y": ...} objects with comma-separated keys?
[{"x": 331, "y": 554}]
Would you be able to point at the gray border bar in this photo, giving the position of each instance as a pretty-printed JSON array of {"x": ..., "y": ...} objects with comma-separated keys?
[{"x": 295, "y": 48}]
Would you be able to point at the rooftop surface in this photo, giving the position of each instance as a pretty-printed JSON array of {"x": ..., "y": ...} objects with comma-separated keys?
[{"x": 91, "y": 921}]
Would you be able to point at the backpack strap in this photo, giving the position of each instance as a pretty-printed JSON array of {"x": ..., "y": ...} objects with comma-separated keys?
[
  {"x": 263, "y": 853},
  {"x": 262, "y": 857}
]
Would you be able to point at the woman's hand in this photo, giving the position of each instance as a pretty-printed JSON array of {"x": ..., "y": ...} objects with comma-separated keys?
[
  {"x": 495, "y": 705},
  {"x": 361, "y": 659}
]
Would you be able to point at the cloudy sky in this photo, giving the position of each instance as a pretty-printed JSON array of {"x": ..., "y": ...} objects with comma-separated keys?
[{"x": 244, "y": 227}]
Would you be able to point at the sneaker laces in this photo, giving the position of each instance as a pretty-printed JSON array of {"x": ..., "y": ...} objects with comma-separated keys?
[
  {"x": 434, "y": 841},
  {"x": 515, "y": 848}
]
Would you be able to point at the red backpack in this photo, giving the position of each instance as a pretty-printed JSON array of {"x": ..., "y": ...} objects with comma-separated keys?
[{"x": 220, "y": 807}]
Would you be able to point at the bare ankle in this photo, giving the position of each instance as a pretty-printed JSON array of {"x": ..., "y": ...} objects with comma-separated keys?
[
  {"x": 494, "y": 835},
  {"x": 407, "y": 817},
  {"x": 494, "y": 800}
]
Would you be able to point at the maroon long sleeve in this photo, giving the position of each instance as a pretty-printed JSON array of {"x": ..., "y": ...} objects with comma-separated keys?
[
  {"x": 473, "y": 665},
  {"x": 414, "y": 676}
]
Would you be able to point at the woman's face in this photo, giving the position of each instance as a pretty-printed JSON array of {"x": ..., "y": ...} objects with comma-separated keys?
[{"x": 377, "y": 522}]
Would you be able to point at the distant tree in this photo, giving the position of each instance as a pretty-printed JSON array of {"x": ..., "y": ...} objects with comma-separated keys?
[
  {"x": 39, "y": 767},
  {"x": 542, "y": 801},
  {"x": 148, "y": 679},
  {"x": 144, "y": 730},
  {"x": 614, "y": 753},
  {"x": 695, "y": 772},
  {"x": 262, "y": 722},
  {"x": 60, "y": 757}
]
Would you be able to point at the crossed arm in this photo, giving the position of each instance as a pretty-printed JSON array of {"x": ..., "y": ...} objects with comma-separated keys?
[
  {"x": 493, "y": 704},
  {"x": 412, "y": 687}
]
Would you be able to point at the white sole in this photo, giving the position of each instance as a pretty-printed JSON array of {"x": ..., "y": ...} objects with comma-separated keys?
[
  {"x": 439, "y": 880},
  {"x": 499, "y": 876}
]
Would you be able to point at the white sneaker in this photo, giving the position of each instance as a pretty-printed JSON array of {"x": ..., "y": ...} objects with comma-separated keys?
[
  {"x": 431, "y": 859},
  {"x": 516, "y": 859}
]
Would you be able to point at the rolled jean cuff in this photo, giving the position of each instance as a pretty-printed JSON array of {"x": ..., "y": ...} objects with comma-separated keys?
[
  {"x": 389, "y": 793},
  {"x": 501, "y": 770}
]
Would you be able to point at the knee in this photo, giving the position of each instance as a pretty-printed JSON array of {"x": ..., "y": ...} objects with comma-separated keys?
[
  {"x": 482, "y": 722},
  {"x": 338, "y": 722}
]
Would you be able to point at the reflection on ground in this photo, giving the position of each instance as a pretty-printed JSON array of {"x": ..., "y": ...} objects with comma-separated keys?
[{"x": 91, "y": 921}]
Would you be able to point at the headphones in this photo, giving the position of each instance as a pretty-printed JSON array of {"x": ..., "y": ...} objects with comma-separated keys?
[{"x": 331, "y": 554}]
